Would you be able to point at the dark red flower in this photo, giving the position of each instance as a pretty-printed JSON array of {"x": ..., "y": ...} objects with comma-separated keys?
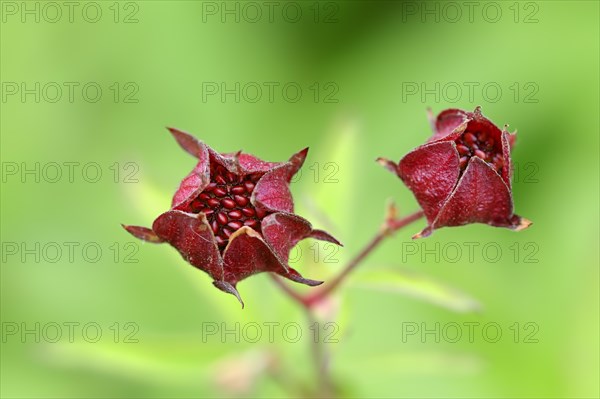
[
  {"x": 232, "y": 216},
  {"x": 462, "y": 174}
]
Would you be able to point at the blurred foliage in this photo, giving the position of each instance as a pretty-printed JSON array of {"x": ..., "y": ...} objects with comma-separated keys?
[{"x": 370, "y": 51}]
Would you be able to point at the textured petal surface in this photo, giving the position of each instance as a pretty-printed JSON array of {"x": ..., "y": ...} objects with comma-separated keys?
[
  {"x": 143, "y": 233},
  {"x": 199, "y": 177},
  {"x": 247, "y": 254},
  {"x": 324, "y": 236},
  {"x": 507, "y": 170},
  {"x": 479, "y": 123},
  {"x": 238, "y": 182},
  {"x": 251, "y": 164},
  {"x": 478, "y": 195},
  {"x": 388, "y": 164},
  {"x": 191, "y": 235},
  {"x": 231, "y": 161},
  {"x": 191, "y": 185},
  {"x": 283, "y": 231},
  {"x": 447, "y": 121},
  {"x": 272, "y": 192},
  {"x": 228, "y": 288},
  {"x": 190, "y": 144},
  {"x": 481, "y": 196},
  {"x": 296, "y": 161},
  {"x": 431, "y": 172}
]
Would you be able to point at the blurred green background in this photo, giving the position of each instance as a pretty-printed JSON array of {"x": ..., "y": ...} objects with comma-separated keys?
[{"x": 367, "y": 71}]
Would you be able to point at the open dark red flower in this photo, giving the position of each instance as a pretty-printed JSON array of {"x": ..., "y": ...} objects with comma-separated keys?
[
  {"x": 462, "y": 174},
  {"x": 232, "y": 216}
]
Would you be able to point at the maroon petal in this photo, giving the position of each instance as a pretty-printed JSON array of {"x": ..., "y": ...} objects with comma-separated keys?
[
  {"x": 192, "y": 236},
  {"x": 481, "y": 196},
  {"x": 230, "y": 161},
  {"x": 479, "y": 123},
  {"x": 251, "y": 164},
  {"x": 447, "y": 121},
  {"x": 296, "y": 161},
  {"x": 247, "y": 254},
  {"x": 228, "y": 288},
  {"x": 282, "y": 231},
  {"x": 324, "y": 236},
  {"x": 388, "y": 164},
  {"x": 143, "y": 233},
  {"x": 506, "y": 161},
  {"x": 199, "y": 178},
  {"x": 297, "y": 277},
  {"x": 431, "y": 172},
  {"x": 272, "y": 192},
  {"x": 190, "y": 144},
  {"x": 192, "y": 185}
]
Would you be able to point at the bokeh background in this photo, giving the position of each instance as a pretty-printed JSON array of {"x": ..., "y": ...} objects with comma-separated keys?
[{"x": 367, "y": 70}]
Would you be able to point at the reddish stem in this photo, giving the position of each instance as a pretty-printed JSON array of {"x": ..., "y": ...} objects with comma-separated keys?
[
  {"x": 389, "y": 227},
  {"x": 286, "y": 288}
]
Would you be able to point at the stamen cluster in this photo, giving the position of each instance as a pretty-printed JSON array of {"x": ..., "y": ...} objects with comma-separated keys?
[
  {"x": 478, "y": 144},
  {"x": 226, "y": 204}
]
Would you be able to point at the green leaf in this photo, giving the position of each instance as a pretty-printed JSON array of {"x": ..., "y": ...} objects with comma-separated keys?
[{"x": 415, "y": 285}]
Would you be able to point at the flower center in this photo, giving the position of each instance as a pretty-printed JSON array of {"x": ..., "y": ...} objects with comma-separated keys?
[
  {"x": 226, "y": 204},
  {"x": 478, "y": 144}
]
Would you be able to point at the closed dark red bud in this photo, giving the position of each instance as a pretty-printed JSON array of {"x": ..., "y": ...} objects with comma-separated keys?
[
  {"x": 232, "y": 216},
  {"x": 462, "y": 174}
]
